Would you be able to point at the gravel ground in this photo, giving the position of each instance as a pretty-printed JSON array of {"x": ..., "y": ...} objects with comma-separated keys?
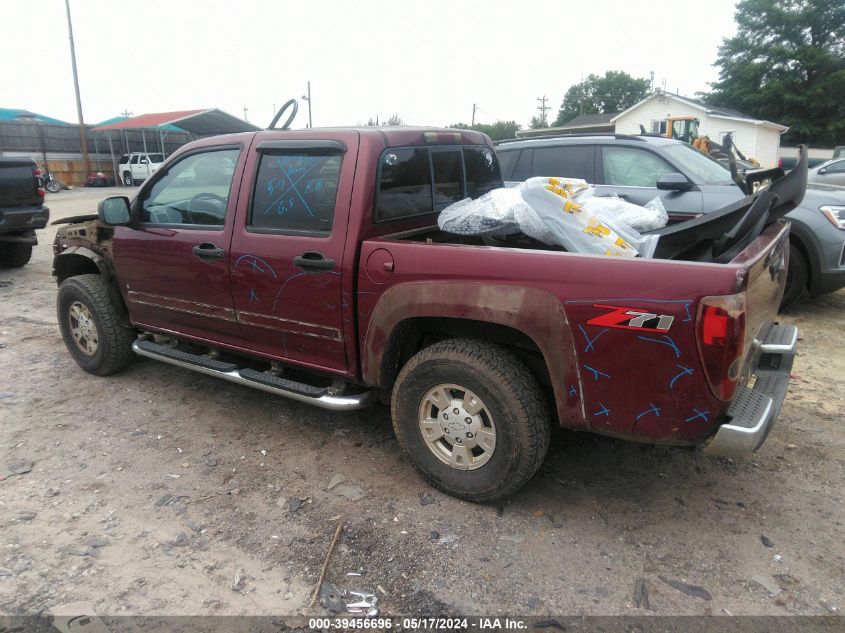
[{"x": 159, "y": 491}]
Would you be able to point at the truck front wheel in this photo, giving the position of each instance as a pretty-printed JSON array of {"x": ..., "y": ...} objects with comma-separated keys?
[
  {"x": 90, "y": 326},
  {"x": 15, "y": 254},
  {"x": 471, "y": 418}
]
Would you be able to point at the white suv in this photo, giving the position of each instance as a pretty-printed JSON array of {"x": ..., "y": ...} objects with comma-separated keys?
[{"x": 137, "y": 167}]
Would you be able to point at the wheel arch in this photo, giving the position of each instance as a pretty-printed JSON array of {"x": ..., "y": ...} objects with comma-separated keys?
[
  {"x": 804, "y": 243},
  {"x": 79, "y": 260},
  {"x": 529, "y": 321}
]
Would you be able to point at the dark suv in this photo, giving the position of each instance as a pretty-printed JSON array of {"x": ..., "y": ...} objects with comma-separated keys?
[{"x": 638, "y": 168}]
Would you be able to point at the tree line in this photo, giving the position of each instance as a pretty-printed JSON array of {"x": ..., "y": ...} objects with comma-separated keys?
[{"x": 785, "y": 64}]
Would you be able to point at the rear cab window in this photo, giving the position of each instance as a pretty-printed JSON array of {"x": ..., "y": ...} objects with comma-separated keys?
[
  {"x": 632, "y": 167},
  {"x": 414, "y": 181}
]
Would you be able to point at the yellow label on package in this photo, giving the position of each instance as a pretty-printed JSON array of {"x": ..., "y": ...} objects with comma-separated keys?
[{"x": 618, "y": 246}]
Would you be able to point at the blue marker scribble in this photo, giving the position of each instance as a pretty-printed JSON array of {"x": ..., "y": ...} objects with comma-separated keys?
[
  {"x": 253, "y": 261},
  {"x": 572, "y": 391},
  {"x": 596, "y": 372},
  {"x": 603, "y": 411},
  {"x": 290, "y": 167},
  {"x": 704, "y": 415},
  {"x": 252, "y": 295},
  {"x": 651, "y": 409},
  {"x": 689, "y": 317},
  {"x": 590, "y": 341},
  {"x": 685, "y": 371},
  {"x": 667, "y": 341}
]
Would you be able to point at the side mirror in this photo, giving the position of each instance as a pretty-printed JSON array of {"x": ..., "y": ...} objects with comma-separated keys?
[
  {"x": 114, "y": 211},
  {"x": 674, "y": 182},
  {"x": 823, "y": 170}
]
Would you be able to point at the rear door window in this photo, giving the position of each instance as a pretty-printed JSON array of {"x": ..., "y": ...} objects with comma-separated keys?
[
  {"x": 295, "y": 191},
  {"x": 632, "y": 167},
  {"x": 576, "y": 161}
]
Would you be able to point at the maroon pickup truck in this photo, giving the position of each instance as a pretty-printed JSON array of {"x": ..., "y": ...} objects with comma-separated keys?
[{"x": 308, "y": 264}]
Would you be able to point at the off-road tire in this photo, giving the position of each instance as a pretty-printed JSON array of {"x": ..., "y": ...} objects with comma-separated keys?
[
  {"x": 797, "y": 278},
  {"x": 14, "y": 255},
  {"x": 114, "y": 349},
  {"x": 510, "y": 393}
]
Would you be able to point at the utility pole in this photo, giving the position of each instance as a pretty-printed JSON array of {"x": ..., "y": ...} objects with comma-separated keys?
[
  {"x": 543, "y": 108},
  {"x": 246, "y": 110},
  {"x": 83, "y": 140},
  {"x": 473, "y": 115}
]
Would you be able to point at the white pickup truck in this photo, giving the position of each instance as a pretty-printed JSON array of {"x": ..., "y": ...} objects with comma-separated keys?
[{"x": 137, "y": 167}]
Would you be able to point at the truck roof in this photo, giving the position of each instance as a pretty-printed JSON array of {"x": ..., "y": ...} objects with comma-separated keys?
[{"x": 392, "y": 136}]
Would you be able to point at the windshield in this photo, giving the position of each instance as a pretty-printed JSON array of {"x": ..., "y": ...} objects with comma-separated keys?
[{"x": 704, "y": 170}]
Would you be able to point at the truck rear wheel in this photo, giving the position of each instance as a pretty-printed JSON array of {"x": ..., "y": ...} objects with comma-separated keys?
[
  {"x": 127, "y": 179},
  {"x": 15, "y": 255},
  {"x": 90, "y": 326},
  {"x": 471, "y": 418}
]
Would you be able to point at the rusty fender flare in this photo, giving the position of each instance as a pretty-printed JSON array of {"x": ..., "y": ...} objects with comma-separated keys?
[{"x": 536, "y": 313}]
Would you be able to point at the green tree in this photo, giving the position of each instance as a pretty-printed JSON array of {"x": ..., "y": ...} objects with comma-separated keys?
[
  {"x": 537, "y": 123},
  {"x": 614, "y": 92},
  {"x": 395, "y": 120},
  {"x": 496, "y": 131},
  {"x": 786, "y": 64}
]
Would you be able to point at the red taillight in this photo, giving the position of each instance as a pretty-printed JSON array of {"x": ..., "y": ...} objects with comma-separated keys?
[
  {"x": 780, "y": 163},
  {"x": 39, "y": 182},
  {"x": 721, "y": 341}
]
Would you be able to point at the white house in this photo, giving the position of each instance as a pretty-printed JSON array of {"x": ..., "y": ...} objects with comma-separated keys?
[{"x": 755, "y": 138}]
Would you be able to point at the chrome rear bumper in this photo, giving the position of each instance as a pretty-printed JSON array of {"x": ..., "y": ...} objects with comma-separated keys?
[{"x": 754, "y": 410}]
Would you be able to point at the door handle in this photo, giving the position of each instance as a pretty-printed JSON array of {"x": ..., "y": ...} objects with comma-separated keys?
[
  {"x": 207, "y": 250},
  {"x": 313, "y": 262}
]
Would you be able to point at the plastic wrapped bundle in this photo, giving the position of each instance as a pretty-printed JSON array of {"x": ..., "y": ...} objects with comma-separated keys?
[{"x": 559, "y": 211}]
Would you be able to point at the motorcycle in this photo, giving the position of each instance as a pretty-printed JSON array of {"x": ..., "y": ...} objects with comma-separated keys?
[{"x": 51, "y": 184}]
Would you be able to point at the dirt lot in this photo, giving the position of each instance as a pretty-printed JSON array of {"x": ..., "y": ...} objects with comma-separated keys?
[{"x": 161, "y": 491}]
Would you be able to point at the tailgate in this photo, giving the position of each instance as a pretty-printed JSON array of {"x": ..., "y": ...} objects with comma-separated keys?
[
  {"x": 769, "y": 347},
  {"x": 766, "y": 261},
  {"x": 17, "y": 183}
]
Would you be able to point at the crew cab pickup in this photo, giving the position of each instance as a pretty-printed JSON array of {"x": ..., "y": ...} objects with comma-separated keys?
[
  {"x": 22, "y": 209},
  {"x": 308, "y": 264}
]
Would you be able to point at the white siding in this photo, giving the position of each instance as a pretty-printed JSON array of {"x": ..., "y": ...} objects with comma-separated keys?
[
  {"x": 753, "y": 140},
  {"x": 654, "y": 109},
  {"x": 768, "y": 145}
]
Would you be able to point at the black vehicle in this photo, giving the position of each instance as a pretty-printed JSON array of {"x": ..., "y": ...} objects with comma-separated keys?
[
  {"x": 639, "y": 168},
  {"x": 22, "y": 210}
]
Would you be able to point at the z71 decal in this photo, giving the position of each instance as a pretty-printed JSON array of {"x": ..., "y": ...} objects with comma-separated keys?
[{"x": 632, "y": 319}]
